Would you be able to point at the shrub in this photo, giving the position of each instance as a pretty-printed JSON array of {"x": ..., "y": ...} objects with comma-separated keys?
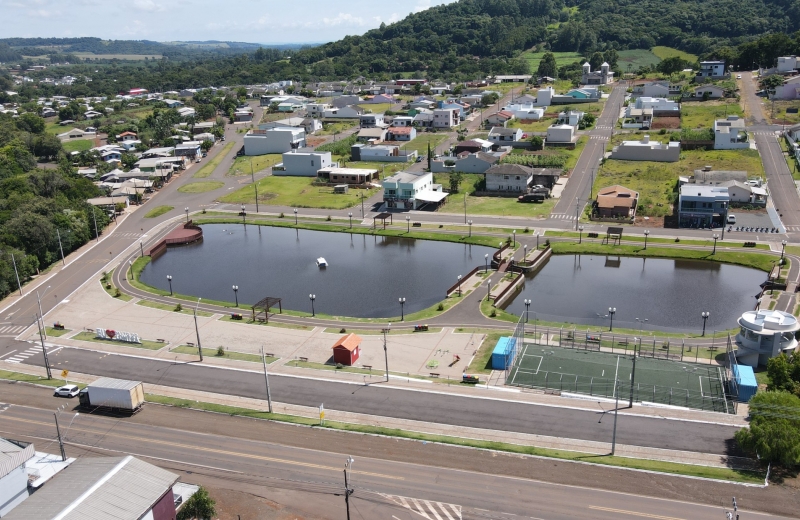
[
  {"x": 328, "y": 218},
  {"x": 493, "y": 314},
  {"x": 281, "y": 215},
  {"x": 178, "y": 308},
  {"x": 342, "y": 330},
  {"x": 220, "y": 351},
  {"x": 117, "y": 293},
  {"x": 440, "y": 307},
  {"x": 339, "y": 366}
]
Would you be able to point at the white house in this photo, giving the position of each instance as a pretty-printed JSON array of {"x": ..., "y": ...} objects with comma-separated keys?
[
  {"x": 401, "y": 133},
  {"x": 346, "y": 112},
  {"x": 730, "y": 134},
  {"x": 526, "y": 111},
  {"x": 764, "y": 334},
  {"x": 466, "y": 162},
  {"x": 317, "y": 109},
  {"x": 76, "y": 133},
  {"x": 560, "y": 134},
  {"x": 544, "y": 97},
  {"x": 659, "y": 105},
  {"x": 709, "y": 92},
  {"x": 789, "y": 90},
  {"x": 410, "y": 190},
  {"x": 400, "y": 121},
  {"x": 653, "y": 89},
  {"x": 303, "y": 163},
  {"x": 274, "y": 140},
  {"x": 446, "y": 118},
  {"x": 13, "y": 477},
  {"x": 185, "y": 112},
  {"x": 712, "y": 69},
  {"x": 371, "y": 121},
  {"x": 504, "y": 136},
  {"x": 787, "y": 64},
  {"x": 646, "y": 150},
  {"x": 571, "y": 118},
  {"x": 381, "y": 153},
  {"x": 604, "y": 76}
]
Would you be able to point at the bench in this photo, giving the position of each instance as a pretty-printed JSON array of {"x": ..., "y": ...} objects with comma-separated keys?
[
  {"x": 304, "y": 359},
  {"x": 269, "y": 354},
  {"x": 749, "y": 244},
  {"x": 471, "y": 380},
  {"x": 592, "y": 339},
  {"x": 624, "y": 342},
  {"x": 190, "y": 343},
  {"x": 236, "y": 316},
  {"x": 419, "y": 328},
  {"x": 368, "y": 367},
  {"x": 417, "y": 224},
  {"x": 434, "y": 374},
  {"x": 591, "y": 235}
]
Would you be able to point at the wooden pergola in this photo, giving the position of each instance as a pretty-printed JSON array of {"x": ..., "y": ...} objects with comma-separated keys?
[
  {"x": 613, "y": 234},
  {"x": 264, "y": 306},
  {"x": 383, "y": 217}
]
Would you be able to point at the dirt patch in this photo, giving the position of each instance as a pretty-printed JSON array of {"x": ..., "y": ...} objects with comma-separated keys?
[
  {"x": 651, "y": 222},
  {"x": 671, "y": 123},
  {"x": 267, "y": 196},
  {"x": 313, "y": 142}
]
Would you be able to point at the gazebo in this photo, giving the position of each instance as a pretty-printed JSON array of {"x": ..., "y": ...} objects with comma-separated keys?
[
  {"x": 264, "y": 306},
  {"x": 383, "y": 217},
  {"x": 613, "y": 234}
]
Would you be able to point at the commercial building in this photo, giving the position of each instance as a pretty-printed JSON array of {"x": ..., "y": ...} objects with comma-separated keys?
[
  {"x": 764, "y": 334},
  {"x": 701, "y": 206}
]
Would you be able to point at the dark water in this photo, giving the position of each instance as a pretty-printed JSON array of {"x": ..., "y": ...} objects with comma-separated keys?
[
  {"x": 365, "y": 277},
  {"x": 670, "y": 294}
]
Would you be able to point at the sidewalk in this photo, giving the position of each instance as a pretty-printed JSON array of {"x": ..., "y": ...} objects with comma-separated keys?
[{"x": 541, "y": 441}]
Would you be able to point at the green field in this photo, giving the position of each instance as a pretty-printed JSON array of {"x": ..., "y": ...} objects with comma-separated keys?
[
  {"x": 538, "y": 126},
  {"x": 245, "y": 164},
  {"x": 201, "y": 187},
  {"x": 209, "y": 167},
  {"x": 632, "y": 60},
  {"x": 420, "y": 144},
  {"x": 668, "y": 52},
  {"x": 158, "y": 211},
  {"x": 656, "y": 182},
  {"x": 505, "y": 206},
  {"x": 562, "y": 58},
  {"x": 335, "y": 128},
  {"x": 296, "y": 192},
  {"x": 701, "y": 114},
  {"x": 77, "y": 145}
]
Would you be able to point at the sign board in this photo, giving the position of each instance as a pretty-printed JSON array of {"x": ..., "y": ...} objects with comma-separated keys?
[
  {"x": 321, "y": 413},
  {"x": 64, "y": 373},
  {"x": 125, "y": 337}
]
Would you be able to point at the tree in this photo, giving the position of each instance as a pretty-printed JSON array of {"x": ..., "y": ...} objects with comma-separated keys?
[
  {"x": 200, "y": 506},
  {"x": 596, "y": 60},
  {"x": 537, "y": 143},
  {"x": 672, "y": 65},
  {"x": 47, "y": 146},
  {"x": 489, "y": 99},
  {"x": 273, "y": 107},
  {"x": 455, "y": 181},
  {"x": 30, "y": 122},
  {"x": 206, "y": 145},
  {"x": 612, "y": 57},
  {"x": 774, "y": 432},
  {"x": 548, "y": 67},
  {"x": 128, "y": 160},
  {"x": 784, "y": 374},
  {"x": 772, "y": 82}
]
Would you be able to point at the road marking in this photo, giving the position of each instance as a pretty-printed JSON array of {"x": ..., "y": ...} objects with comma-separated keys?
[
  {"x": 418, "y": 506},
  {"x": 7, "y": 354},
  {"x": 634, "y": 513}
]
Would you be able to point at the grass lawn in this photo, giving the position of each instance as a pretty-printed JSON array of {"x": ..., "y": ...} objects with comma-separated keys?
[
  {"x": 158, "y": 211},
  {"x": 505, "y": 88},
  {"x": 111, "y": 290},
  {"x": 420, "y": 144},
  {"x": 506, "y": 206},
  {"x": 375, "y": 108},
  {"x": 781, "y": 117},
  {"x": 656, "y": 182},
  {"x": 242, "y": 165},
  {"x": 229, "y": 354},
  {"x": 562, "y": 58},
  {"x": 636, "y": 58},
  {"x": 201, "y": 187},
  {"x": 171, "y": 308},
  {"x": 296, "y": 192},
  {"x": 50, "y": 331},
  {"x": 209, "y": 167},
  {"x": 77, "y": 145},
  {"x": 334, "y": 128},
  {"x": 37, "y": 380},
  {"x": 90, "y": 336},
  {"x": 539, "y": 126},
  {"x": 701, "y": 114},
  {"x": 667, "y": 52}
]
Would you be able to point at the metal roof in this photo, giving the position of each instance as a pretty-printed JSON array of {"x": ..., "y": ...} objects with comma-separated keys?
[
  {"x": 108, "y": 382},
  {"x": 108, "y": 488},
  {"x": 13, "y": 455}
]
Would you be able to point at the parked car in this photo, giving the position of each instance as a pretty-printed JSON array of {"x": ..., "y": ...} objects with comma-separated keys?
[
  {"x": 524, "y": 136},
  {"x": 420, "y": 158},
  {"x": 731, "y": 219},
  {"x": 738, "y": 76},
  {"x": 67, "y": 391},
  {"x": 532, "y": 197}
]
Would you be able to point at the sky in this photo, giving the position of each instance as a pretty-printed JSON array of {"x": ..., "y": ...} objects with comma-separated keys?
[{"x": 255, "y": 21}]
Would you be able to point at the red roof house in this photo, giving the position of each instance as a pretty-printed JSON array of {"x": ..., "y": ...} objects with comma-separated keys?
[{"x": 347, "y": 349}]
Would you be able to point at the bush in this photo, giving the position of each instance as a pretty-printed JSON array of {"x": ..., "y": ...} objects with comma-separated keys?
[
  {"x": 117, "y": 293},
  {"x": 281, "y": 215},
  {"x": 440, "y": 307},
  {"x": 220, "y": 351},
  {"x": 178, "y": 308},
  {"x": 526, "y": 230},
  {"x": 328, "y": 218},
  {"x": 342, "y": 330},
  {"x": 774, "y": 431},
  {"x": 339, "y": 366},
  {"x": 493, "y": 314},
  {"x": 199, "y": 505}
]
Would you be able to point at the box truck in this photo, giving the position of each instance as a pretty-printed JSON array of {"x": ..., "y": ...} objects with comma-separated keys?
[{"x": 116, "y": 396}]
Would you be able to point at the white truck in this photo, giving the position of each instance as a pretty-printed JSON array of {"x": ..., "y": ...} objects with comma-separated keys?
[{"x": 116, "y": 396}]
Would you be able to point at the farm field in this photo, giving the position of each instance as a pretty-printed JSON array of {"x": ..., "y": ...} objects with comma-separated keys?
[
  {"x": 662, "y": 53},
  {"x": 562, "y": 58},
  {"x": 632, "y": 60}
]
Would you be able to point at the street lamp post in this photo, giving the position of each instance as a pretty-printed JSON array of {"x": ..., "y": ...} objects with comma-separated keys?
[
  {"x": 524, "y": 252},
  {"x": 94, "y": 217},
  {"x": 295, "y": 216},
  {"x": 783, "y": 248},
  {"x": 197, "y": 331},
  {"x": 350, "y": 215},
  {"x": 527, "y": 309},
  {"x": 244, "y": 214},
  {"x": 705, "y": 316},
  {"x": 236, "y": 294},
  {"x": 469, "y": 223},
  {"x": 169, "y": 279},
  {"x": 386, "y": 352},
  {"x": 646, "y": 232},
  {"x": 459, "y": 285},
  {"x": 255, "y": 186},
  {"x": 715, "y": 237},
  {"x": 514, "y": 234},
  {"x": 312, "y": 297},
  {"x": 537, "y": 240},
  {"x": 186, "y": 209},
  {"x": 402, "y": 307},
  {"x": 611, "y": 312},
  {"x": 486, "y": 263},
  {"x": 580, "y": 234},
  {"x": 408, "y": 224},
  {"x": 489, "y": 290}
]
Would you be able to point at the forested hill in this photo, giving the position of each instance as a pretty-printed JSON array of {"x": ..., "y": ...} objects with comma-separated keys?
[{"x": 440, "y": 38}]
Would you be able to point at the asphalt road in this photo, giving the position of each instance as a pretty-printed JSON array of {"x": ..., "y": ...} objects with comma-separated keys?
[
  {"x": 382, "y": 488},
  {"x": 496, "y": 413}
]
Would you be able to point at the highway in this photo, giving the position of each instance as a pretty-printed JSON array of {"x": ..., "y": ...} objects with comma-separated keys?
[
  {"x": 497, "y": 412},
  {"x": 382, "y": 488}
]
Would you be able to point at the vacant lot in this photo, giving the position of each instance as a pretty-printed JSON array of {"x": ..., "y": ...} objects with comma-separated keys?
[
  {"x": 701, "y": 114},
  {"x": 668, "y": 52},
  {"x": 201, "y": 187},
  {"x": 562, "y": 58},
  {"x": 505, "y": 206},
  {"x": 77, "y": 145},
  {"x": 336, "y": 128},
  {"x": 656, "y": 182},
  {"x": 632, "y": 60},
  {"x": 375, "y": 108},
  {"x": 777, "y": 111},
  {"x": 295, "y": 192},
  {"x": 245, "y": 164},
  {"x": 420, "y": 144}
]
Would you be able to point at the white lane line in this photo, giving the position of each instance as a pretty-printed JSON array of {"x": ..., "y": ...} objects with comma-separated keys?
[
  {"x": 7, "y": 354},
  {"x": 432, "y": 509}
]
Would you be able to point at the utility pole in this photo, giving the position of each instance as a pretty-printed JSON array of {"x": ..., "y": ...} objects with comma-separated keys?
[
  {"x": 14, "y": 261},
  {"x": 197, "y": 331},
  {"x": 44, "y": 350},
  {"x": 266, "y": 379},
  {"x": 616, "y": 409},
  {"x": 61, "y": 248},
  {"x": 96, "y": 234},
  {"x": 60, "y": 442},
  {"x": 386, "y": 352},
  {"x": 347, "y": 491},
  {"x": 255, "y": 186},
  {"x": 633, "y": 371}
]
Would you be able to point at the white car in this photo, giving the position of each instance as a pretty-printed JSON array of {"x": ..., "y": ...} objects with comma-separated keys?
[
  {"x": 67, "y": 391},
  {"x": 738, "y": 76},
  {"x": 731, "y": 219}
]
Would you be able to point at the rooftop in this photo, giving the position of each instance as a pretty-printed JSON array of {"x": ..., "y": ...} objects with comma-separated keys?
[
  {"x": 350, "y": 342},
  {"x": 765, "y": 320}
]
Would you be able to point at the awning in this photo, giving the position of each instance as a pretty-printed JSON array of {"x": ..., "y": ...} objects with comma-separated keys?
[{"x": 431, "y": 196}]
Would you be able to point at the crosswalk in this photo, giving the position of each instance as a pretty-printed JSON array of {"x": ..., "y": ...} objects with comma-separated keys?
[
  {"x": 604, "y": 127},
  {"x": 562, "y": 216},
  {"x": 765, "y": 133},
  {"x": 19, "y": 357},
  {"x": 793, "y": 228},
  {"x": 128, "y": 235},
  {"x": 426, "y": 508},
  {"x": 11, "y": 329},
  {"x": 598, "y": 137}
]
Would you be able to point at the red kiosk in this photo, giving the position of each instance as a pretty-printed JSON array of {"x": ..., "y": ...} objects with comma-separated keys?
[{"x": 346, "y": 349}]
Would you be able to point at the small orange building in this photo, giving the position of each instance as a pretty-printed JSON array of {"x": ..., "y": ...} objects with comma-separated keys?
[{"x": 347, "y": 349}]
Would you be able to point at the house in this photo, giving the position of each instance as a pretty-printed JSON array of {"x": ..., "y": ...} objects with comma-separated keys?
[
  {"x": 710, "y": 177},
  {"x": 186, "y": 112},
  {"x": 371, "y": 134},
  {"x": 560, "y": 134},
  {"x": 571, "y": 118},
  {"x": 347, "y": 112},
  {"x": 381, "y": 98},
  {"x": 660, "y": 106},
  {"x": 402, "y": 133},
  {"x": 638, "y": 117},
  {"x": 411, "y": 190},
  {"x": 289, "y": 106},
  {"x": 646, "y": 150},
  {"x": 145, "y": 167},
  {"x": 466, "y": 162},
  {"x": 130, "y": 145},
  {"x": 500, "y": 118},
  {"x": 429, "y": 104},
  {"x": 350, "y": 176},
  {"x": 424, "y": 118},
  {"x": 274, "y": 140},
  {"x": 458, "y": 106},
  {"x": 523, "y": 78},
  {"x": 708, "y": 92},
  {"x": 243, "y": 115},
  {"x": 584, "y": 94},
  {"x": 702, "y": 206},
  {"x": 344, "y": 101},
  {"x": 303, "y": 163},
  {"x": 787, "y": 64},
  {"x": 402, "y": 121},
  {"x": 203, "y": 127},
  {"x": 527, "y": 111},
  {"x": 711, "y": 70},
  {"x": 658, "y": 89},
  {"x": 346, "y": 349},
  {"x": 111, "y": 156},
  {"x": 789, "y": 90},
  {"x": 76, "y": 133},
  {"x": 446, "y": 117},
  {"x": 744, "y": 193},
  {"x": 381, "y": 153},
  {"x": 13, "y": 476},
  {"x": 500, "y": 135},
  {"x": 166, "y": 151},
  {"x": 48, "y": 112},
  {"x": 310, "y": 125},
  {"x": 92, "y": 114},
  {"x": 508, "y": 177},
  {"x": 173, "y": 103},
  {"x": 189, "y": 149},
  {"x": 604, "y": 76},
  {"x": 126, "y": 136},
  {"x": 730, "y": 134},
  {"x": 616, "y": 202},
  {"x": 123, "y": 488},
  {"x": 371, "y": 121},
  {"x": 317, "y": 109},
  {"x": 764, "y": 334},
  {"x": 204, "y": 137}
]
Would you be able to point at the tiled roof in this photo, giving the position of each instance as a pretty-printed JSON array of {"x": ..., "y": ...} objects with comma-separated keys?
[{"x": 350, "y": 342}]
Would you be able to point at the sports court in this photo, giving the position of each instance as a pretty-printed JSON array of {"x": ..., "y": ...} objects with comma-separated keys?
[{"x": 593, "y": 372}]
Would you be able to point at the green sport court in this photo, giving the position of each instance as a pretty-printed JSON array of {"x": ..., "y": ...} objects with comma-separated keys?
[{"x": 593, "y": 372}]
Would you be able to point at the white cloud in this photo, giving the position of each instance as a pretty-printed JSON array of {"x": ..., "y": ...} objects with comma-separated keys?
[
  {"x": 346, "y": 19},
  {"x": 422, "y": 5},
  {"x": 147, "y": 5}
]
